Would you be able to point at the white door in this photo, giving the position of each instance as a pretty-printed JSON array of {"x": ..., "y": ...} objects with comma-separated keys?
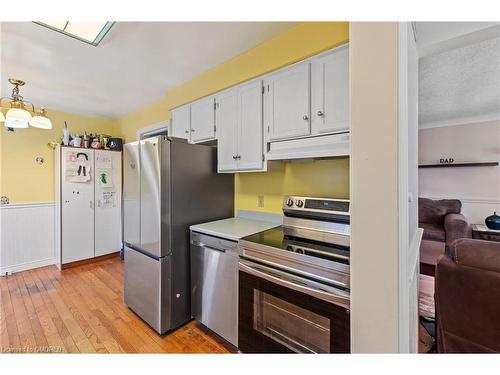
[
  {"x": 330, "y": 92},
  {"x": 288, "y": 94},
  {"x": 181, "y": 122},
  {"x": 77, "y": 193},
  {"x": 203, "y": 120},
  {"x": 108, "y": 210},
  {"x": 227, "y": 130},
  {"x": 250, "y": 129}
]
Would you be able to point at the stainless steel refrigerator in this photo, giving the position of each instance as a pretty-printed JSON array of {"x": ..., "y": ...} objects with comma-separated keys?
[{"x": 168, "y": 186}]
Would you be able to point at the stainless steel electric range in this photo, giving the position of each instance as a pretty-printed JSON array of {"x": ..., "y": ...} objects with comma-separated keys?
[{"x": 294, "y": 281}]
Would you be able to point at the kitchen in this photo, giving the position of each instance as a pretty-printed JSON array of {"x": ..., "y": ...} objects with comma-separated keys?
[
  {"x": 189, "y": 196},
  {"x": 244, "y": 169}
]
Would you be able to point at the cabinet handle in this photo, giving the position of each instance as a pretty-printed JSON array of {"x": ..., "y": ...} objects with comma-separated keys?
[
  {"x": 305, "y": 117},
  {"x": 186, "y": 131},
  {"x": 192, "y": 130},
  {"x": 238, "y": 157},
  {"x": 320, "y": 114},
  {"x": 91, "y": 203}
]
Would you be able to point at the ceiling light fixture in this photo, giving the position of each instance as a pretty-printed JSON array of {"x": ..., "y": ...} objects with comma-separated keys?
[
  {"x": 88, "y": 32},
  {"x": 20, "y": 113}
]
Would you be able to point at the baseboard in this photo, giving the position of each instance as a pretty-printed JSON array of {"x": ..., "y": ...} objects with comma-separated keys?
[
  {"x": 27, "y": 266},
  {"x": 90, "y": 260}
]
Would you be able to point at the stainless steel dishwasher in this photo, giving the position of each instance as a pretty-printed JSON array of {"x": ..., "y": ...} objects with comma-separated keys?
[{"x": 214, "y": 284}]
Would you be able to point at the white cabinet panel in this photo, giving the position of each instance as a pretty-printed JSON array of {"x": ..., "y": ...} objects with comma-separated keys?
[
  {"x": 77, "y": 205},
  {"x": 288, "y": 101},
  {"x": 203, "y": 120},
  {"x": 250, "y": 129},
  {"x": 108, "y": 210},
  {"x": 181, "y": 122},
  {"x": 330, "y": 92},
  {"x": 227, "y": 121}
]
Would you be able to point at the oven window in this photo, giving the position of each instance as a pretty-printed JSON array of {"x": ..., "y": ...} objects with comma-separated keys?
[{"x": 298, "y": 329}]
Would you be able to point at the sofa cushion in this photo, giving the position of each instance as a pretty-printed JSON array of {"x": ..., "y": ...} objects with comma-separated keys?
[
  {"x": 433, "y": 232},
  {"x": 430, "y": 251},
  {"x": 433, "y": 211},
  {"x": 476, "y": 253}
]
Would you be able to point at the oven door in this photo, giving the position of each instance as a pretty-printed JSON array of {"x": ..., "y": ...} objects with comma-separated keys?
[{"x": 284, "y": 313}]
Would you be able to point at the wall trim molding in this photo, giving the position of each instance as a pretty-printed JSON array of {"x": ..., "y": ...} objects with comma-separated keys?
[
  {"x": 460, "y": 121},
  {"x": 27, "y": 205},
  {"x": 27, "y": 266}
]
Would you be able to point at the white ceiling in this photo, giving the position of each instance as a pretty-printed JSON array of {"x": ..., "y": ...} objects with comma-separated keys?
[
  {"x": 135, "y": 64},
  {"x": 459, "y": 77}
]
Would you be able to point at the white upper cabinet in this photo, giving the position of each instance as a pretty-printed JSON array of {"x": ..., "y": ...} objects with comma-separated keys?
[
  {"x": 288, "y": 102},
  {"x": 239, "y": 128},
  {"x": 251, "y": 143},
  {"x": 181, "y": 122},
  {"x": 203, "y": 120},
  {"x": 330, "y": 92},
  {"x": 226, "y": 117}
]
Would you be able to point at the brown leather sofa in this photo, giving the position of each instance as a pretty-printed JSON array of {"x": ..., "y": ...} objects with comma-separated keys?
[
  {"x": 442, "y": 223},
  {"x": 467, "y": 294}
]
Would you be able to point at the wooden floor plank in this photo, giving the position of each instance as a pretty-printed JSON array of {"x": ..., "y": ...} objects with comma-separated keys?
[
  {"x": 26, "y": 336},
  {"x": 49, "y": 329},
  {"x": 38, "y": 333},
  {"x": 82, "y": 309},
  {"x": 69, "y": 343}
]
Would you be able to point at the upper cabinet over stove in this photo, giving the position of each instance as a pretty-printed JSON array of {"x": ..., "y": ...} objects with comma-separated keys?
[{"x": 300, "y": 111}]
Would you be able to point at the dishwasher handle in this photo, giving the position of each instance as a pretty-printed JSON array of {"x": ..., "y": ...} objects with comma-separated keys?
[
  {"x": 328, "y": 294},
  {"x": 201, "y": 244}
]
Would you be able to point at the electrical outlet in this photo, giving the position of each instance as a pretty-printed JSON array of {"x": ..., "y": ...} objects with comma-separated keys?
[{"x": 260, "y": 201}]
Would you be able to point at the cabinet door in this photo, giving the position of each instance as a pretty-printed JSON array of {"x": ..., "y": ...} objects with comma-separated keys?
[
  {"x": 289, "y": 103},
  {"x": 227, "y": 130},
  {"x": 203, "y": 120},
  {"x": 250, "y": 130},
  {"x": 330, "y": 92},
  {"x": 108, "y": 210},
  {"x": 77, "y": 208},
  {"x": 181, "y": 122}
]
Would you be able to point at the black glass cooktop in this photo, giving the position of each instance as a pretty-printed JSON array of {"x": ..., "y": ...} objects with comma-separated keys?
[{"x": 276, "y": 238}]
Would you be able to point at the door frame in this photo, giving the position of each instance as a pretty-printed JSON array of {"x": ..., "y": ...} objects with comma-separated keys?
[
  {"x": 153, "y": 128},
  {"x": 408, "y": 264}
]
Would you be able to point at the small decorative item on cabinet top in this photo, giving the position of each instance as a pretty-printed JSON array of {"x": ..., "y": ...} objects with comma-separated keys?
[{"x": 493, "y": 221}]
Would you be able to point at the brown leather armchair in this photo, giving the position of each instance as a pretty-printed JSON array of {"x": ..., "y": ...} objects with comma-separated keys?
[
  {"x": 467, "y": 294},
  {"x": 442, "y": 223}
]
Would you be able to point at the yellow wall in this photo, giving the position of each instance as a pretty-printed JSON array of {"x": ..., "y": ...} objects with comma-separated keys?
[
  {"x": 322, "y": 178},
  {"x": 297, "y": 43},
  {"x": 24, "y": 181}
]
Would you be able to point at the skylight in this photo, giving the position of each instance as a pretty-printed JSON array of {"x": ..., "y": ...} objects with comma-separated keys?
[{"x": 88, "y": 32}]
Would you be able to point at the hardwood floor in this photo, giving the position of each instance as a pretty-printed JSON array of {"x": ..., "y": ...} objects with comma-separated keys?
[{"x": 81, "y": 310}]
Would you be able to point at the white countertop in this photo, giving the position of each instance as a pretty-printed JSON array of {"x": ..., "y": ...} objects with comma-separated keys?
[{"x": 233, "y": 228}]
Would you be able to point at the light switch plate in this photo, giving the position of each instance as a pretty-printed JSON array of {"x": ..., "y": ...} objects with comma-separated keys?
[{"x": 260, "y": 201}]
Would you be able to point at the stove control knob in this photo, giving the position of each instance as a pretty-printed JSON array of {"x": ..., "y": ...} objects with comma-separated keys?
[
  {"x": 289, "y": 202},
  {"x": 299, "y": 203}
]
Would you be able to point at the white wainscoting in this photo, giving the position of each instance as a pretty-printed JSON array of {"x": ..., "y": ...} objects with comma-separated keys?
[{"x": 27, "y": 236}]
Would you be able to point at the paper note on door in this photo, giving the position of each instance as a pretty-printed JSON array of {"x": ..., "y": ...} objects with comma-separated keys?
[
  {"x": 108, "y": 199},
  {"x": 105, "y": 179},
  {"x": 103, "y": 162},
  {"x": 77, "y": 167}
]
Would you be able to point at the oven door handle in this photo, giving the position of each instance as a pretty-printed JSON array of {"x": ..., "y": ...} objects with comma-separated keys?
[{"x": 333, "y": 295}]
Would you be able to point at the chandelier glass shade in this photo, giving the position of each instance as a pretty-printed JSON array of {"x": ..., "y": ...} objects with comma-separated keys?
[{"x": 22, "y": 113}]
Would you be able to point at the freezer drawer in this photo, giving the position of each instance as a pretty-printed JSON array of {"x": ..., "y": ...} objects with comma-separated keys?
[
  {"x": 147, "y": 284},
  {"x": 214, "y": 285}
]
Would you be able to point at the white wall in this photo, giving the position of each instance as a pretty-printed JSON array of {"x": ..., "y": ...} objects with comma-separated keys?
[
  {"x": 477, "y": 187},
  {"x": 26, "y": 236},
  {"x": 374, "y": 187}
]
